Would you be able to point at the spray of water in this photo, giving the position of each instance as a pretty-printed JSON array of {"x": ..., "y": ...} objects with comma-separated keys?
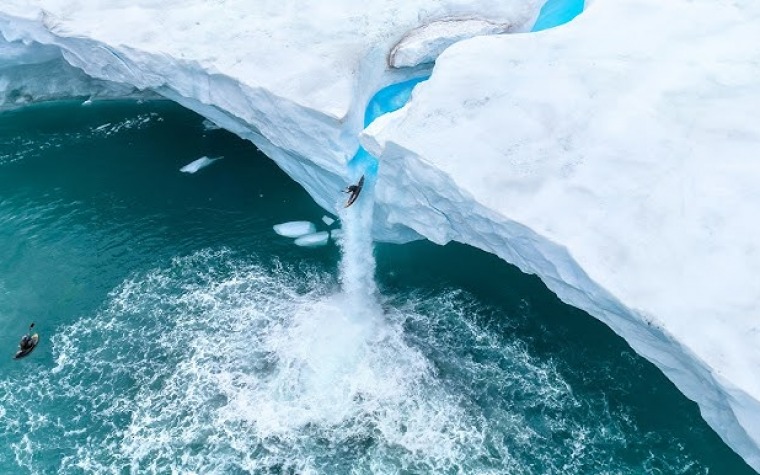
[
  {"x": 357, "y": 267},
  {"x": 217, "y": 364}
]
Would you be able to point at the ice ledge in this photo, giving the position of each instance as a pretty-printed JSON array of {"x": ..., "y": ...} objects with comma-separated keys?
[
  {"x": 294, "y": 80},
  {"x": 418, "y": 195},
  {"x": 424, "y": 44},
  {"x": 623, "y": 173}
]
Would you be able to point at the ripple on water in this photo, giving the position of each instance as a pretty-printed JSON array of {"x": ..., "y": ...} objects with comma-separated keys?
[{"x": 215, "y": 364}]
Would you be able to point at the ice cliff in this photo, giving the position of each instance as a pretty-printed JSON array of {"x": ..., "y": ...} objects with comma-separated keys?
[{"x": 613, "y": 156}]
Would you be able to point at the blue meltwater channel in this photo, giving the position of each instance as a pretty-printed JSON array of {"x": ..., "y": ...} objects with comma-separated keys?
[
  {"x": 391, "y": 98},
  {"x": 357, "y": 269}
]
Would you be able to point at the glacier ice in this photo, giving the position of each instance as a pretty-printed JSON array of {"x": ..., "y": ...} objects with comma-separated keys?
[
  {"x": 612, "y": 157},
  {"x": 196, "y": 165},
  {"x": 423, "y": 45},
  {"x": 294, "y": 229},
  {"x": 312, "y": 240},
  {"x": 621, "y": 172}
]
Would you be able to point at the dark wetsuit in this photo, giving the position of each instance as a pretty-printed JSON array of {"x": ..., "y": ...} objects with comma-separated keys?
[{"x": 26, "y": 342}]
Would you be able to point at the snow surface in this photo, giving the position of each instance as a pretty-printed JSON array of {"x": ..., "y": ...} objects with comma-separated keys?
[
  {"x": 617, "y": 158},
  {"x": 611, "y": 156},
  {"x": 424, "y": 44}
]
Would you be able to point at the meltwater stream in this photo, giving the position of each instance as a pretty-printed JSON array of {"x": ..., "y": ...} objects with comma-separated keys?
[{"x": 181, "y": 335}]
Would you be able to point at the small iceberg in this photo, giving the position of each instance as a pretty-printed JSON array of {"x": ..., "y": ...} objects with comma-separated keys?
[
  {"x": 209, "y": 125},
  {"x": 294, "y": 229},
  {"x": 196, "y": 165},
  {"x": 313, "y": 240},
  {"x": 327, "y": 220}
]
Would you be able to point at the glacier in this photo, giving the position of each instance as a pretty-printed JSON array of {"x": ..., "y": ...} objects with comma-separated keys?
[{"x": 612, "y": 156}]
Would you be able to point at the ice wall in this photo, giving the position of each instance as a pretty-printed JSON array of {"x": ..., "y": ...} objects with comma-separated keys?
[
  {"x": 570, "y": 153},
  {"x": 623, "y": 172},
  {"x": 32, "y": 72}
]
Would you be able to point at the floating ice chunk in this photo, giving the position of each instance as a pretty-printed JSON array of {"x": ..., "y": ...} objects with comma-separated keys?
[
  {"x": 294, "y": 229},
  {"x": 313, "y": 240},
  {"x": 327, "y": 220},
  {"x": 87, "y": 102},
  {"x": 209, "y": 125},
  {"x": 196, "y": 165},
  {"x": 102, "y": 127}
]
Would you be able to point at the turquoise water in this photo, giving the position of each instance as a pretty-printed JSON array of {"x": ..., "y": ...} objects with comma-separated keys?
[
  {"x": 557, "y": 12},
  {"x": 181, "y": 335}
]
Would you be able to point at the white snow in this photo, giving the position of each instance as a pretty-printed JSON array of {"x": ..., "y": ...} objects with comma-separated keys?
[
  {"x": 424, "y": 44},
  {"x": 612, "y": 156},
  {"x": 196, "y": 165},
  {"x": 617, "y": 158},
  {"x": 313, "y": 240},
  {"x": 294, "y": 229}
]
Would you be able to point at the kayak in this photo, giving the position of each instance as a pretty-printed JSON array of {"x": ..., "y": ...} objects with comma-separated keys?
[
  {"x": 21, "y": 353},
  {"x": 355, "y": 193}
]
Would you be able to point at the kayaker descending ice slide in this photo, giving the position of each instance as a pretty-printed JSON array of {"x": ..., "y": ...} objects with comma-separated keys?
[{"x": 353, "y": 191}]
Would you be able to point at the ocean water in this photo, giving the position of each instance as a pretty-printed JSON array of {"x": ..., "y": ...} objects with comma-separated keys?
[{"x": 180, "y": 334}]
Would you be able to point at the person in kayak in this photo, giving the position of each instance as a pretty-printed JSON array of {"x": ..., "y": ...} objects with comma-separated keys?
[
  {"x": 26, "y": 340},
  {"x": 353, "y": 191}
]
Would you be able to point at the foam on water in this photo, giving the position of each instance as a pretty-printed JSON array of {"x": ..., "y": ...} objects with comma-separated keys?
[
  {"x": 16, "y": 147},
  {"x": 215, "y": 364}
]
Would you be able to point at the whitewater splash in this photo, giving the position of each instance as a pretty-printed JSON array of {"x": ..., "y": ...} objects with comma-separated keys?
[
  {"x": 357, "y": 266},
  {"x": 262, "y": 369}
]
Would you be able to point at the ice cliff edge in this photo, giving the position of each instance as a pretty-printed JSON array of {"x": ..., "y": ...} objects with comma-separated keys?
[{"x": 612, "y": 157}]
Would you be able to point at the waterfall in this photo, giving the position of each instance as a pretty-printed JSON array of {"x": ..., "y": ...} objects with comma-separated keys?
[{"x": 357, "y": 267}]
